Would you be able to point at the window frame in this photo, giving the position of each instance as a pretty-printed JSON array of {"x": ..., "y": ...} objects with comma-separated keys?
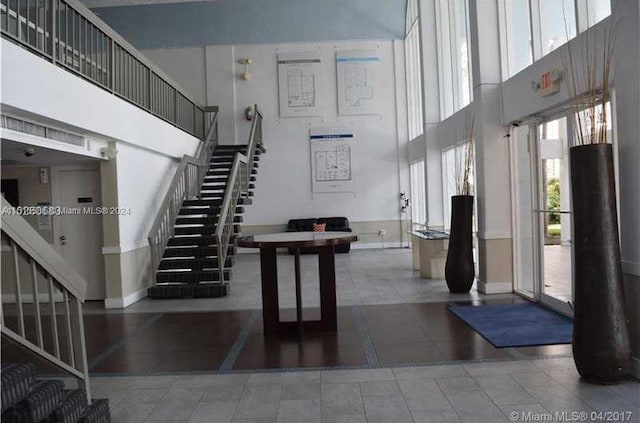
[{"x": 584, "y": 19}]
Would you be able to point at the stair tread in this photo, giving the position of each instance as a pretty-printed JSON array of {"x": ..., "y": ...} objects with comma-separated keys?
[
  {"x": 98, "y": 412},
  {"x": 20, "y": 378},
  {"x": 72, "y": 407},
  {"x": 41, "y": 401}
]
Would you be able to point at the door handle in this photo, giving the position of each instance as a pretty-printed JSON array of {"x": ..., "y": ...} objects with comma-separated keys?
[{"x": 63, "y": 240}]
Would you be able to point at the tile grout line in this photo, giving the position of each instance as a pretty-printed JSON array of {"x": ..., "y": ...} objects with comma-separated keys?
[
  {"x": 238, "y": 345},
  {"x": 122, "y": 341},
  {"x": 365, "y": 339}
]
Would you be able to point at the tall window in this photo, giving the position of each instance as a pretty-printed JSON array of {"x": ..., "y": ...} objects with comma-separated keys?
[
  {"x": 517, "y": 35},
  {"x": 454, "y": 60},
  {"x": 453, "y": 159},
  {"x": 557, "y": 23},
  {"x": 413, "y": 71},
  {"x": 533, "y": 28},
  {"x": 418, "y": 194}
]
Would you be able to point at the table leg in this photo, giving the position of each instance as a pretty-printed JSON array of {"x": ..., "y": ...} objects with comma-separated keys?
[
  {"x": 327, "y": 268},
  {"x": 269, "y": 273},
  {"x": 298, "y": 292}
]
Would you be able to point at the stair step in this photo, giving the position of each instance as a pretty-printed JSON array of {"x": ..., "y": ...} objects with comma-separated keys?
[
  {"x": 72, "y": 407},
  {"x": 211, "y": 211},
  {"x": 218, "y": 166},
  {"x": 195, "y": 230},
  {"x": 207, "y": 290},
  {"x": 193, "y": 252},
  {"x": 218, "y": 172},
  {"x": 17, "y": 380},
  {"x": 41, "y": 401},
  {"x": 222, "y": 179},
  {"x": 186, "y": 241},
  {"x": 208, "y": 220},
  {"x": 212, "y": 194},
  {"x": 193, "y": 264},
  {"x": 98, "y": 412},
  {"x": 202, "y": 203},
  {"x": 193, "y": 277}
]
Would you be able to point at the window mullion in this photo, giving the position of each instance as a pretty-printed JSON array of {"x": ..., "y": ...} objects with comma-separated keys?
[{"x": 536, "y": 33}]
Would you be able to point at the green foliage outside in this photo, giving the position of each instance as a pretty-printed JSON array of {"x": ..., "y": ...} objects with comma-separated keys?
[{"x": 553, "y": 199}]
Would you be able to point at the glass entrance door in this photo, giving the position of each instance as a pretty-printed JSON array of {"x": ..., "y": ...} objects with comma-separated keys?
[{"x": 552, "y": 215}]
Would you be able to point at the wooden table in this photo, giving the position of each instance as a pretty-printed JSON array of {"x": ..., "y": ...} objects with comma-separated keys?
[{"x": 325, "y": 243}]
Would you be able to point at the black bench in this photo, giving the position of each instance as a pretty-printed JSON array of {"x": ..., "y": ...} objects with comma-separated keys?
[{"x": 334, "y": 224}]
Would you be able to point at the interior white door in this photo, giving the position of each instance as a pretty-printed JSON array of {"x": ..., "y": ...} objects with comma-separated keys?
[{"x": 80, "y": 235}]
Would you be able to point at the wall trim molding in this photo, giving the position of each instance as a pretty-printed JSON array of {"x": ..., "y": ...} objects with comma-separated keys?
[
  {"x": 494, "y": 287},
  {"x": 125, "y": 302},
  {"x": 631, "y": 267}
]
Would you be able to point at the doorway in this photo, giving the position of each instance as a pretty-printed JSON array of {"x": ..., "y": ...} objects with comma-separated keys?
[
  {"x": 78, "y": 230},
  {"x": 542, "y": 213}
]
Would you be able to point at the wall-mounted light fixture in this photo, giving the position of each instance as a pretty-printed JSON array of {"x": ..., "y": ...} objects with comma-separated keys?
[
  {"x": 246, "y": 75},
  {"x": 248, "y": 113}
]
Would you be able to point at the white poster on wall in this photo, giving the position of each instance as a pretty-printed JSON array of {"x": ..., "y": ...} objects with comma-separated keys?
[
  {"x": 331, "y": 160},
  {"x": 358, "y": 74},
  {"x": 299, "y": 83}
]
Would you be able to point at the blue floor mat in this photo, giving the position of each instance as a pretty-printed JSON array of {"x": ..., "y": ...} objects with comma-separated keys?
[{"x": 516, "y": 325}]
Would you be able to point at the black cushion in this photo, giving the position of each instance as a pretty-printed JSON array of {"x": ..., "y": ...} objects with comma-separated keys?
[
  {"x": 336, "y": 223},
  {"x": 300, "y": 225}
]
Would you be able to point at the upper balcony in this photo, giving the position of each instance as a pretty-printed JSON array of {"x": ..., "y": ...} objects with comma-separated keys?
[{"x": 67, "y": 34}]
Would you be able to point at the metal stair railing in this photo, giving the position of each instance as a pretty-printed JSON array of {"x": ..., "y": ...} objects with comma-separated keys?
[
  {"x": 185, "y": 184},
  {"x": 68, "y": 34},
  {"x": 237, "y": 185},
  {"x": 44, "y": 311}
]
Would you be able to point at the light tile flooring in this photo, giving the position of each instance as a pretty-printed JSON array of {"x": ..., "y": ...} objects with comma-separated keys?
[
  {"x": 363, "y": 277},
  {"x": 493, "y": 391},
  {"x": 463, "y": 392}
]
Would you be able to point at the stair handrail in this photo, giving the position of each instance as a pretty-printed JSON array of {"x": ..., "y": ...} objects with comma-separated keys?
[
  {"x": 65, "y": 288},
  {"x": 185, "y": 184},
  {"x": 255, "y": 139},
  {"x": 237, "y": 185}
]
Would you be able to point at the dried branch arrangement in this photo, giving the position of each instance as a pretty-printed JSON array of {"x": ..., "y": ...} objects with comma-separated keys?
[
  {"x": 589, "y": 89},
  {"x": 463, "y": 183}
]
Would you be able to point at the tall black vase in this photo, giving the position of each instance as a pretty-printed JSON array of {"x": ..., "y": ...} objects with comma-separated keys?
[
  {"x": 459, "y": 271},
  {"x": 601, "y": 349}
]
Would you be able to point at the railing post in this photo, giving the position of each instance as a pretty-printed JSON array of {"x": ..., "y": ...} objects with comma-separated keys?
[
  {"x": 79, "y": 345},
  {"x": 53, "y": 31}
]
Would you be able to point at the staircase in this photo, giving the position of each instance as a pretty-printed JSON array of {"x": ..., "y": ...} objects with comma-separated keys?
[
  {"x": 190, "y": 266},
  {"x": 28, "y": 400}
]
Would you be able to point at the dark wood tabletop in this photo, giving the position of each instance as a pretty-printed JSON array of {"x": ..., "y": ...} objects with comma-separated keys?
[{"x": 296, "y": 239}]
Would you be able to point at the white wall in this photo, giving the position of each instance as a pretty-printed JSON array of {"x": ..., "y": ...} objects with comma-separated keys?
[
  {"x": 284, "y": 181},
  {"x": 143, "y": 179},
  {"x": 38, "y": 87},
  {"x": 187, "y": 67}
]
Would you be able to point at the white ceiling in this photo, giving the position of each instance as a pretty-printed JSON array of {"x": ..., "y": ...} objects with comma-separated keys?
[{"x": 13, "y": 153}]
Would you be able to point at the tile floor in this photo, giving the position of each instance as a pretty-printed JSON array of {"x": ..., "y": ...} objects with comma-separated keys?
[
  {"x": 468, "y": 392},
  {"x": 400, "y": 357},
  {"x": 363, "y": 277}
]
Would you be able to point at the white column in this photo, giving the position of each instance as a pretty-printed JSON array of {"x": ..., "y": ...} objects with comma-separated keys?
[{"x": 495, "y": 262}]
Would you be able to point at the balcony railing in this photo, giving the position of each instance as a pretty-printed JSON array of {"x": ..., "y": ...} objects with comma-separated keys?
[{"x": 69, "y": 35}]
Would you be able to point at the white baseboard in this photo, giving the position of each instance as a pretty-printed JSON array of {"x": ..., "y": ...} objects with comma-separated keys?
[
  {"x": 28, "y": 298},
  {"x": 635, "y": 367},
  {"x": 125, "y": 302},
  {"x": 495, "y": 287}
]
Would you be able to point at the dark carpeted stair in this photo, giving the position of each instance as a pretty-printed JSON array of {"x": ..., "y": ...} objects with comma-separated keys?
[
  {"x": 189, "y": 265},
  {"x": 27, "y": 400}
]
